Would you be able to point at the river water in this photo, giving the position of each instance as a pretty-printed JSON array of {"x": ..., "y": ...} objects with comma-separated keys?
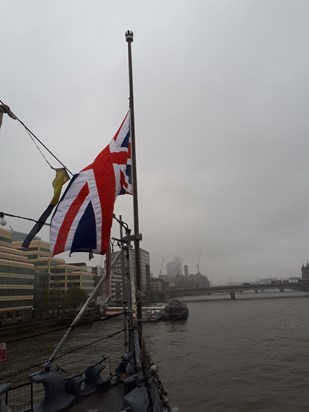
[{"x": 251, "y": 354}]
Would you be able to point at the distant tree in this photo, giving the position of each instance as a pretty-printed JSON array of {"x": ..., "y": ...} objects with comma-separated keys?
[{"x": 75, "y": 297}]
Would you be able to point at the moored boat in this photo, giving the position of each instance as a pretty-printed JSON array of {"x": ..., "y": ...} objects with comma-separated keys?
[
  {"x": 175, "y": 310},
  {"x": 152, "y": 316}
]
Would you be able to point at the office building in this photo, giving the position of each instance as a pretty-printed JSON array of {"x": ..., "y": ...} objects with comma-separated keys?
[
  {"x": 116, "y": 275},
  {"x": 32, "y": 282},
  {"x": 17, "y": 280}
]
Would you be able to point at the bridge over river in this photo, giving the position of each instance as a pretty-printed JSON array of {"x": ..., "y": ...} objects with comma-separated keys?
[{"x": 302, "y": 286}]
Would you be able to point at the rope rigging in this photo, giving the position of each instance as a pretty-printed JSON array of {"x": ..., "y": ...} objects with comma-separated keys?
[{"x": 7, "y": 110}]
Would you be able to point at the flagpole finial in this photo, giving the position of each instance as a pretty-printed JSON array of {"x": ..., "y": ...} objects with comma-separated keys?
[{"x": 129, "y": 36}]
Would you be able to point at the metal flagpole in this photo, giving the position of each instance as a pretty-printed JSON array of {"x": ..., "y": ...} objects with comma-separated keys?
[
  {"x": 137, "y": 236},
  {"x": 124, "y": 286}
]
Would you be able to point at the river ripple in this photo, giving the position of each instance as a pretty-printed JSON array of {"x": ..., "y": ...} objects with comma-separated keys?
[{"x": 251, "y": 354}]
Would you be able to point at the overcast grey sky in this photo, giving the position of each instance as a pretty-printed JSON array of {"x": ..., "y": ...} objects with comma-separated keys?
[{"x": 221, "y": 93}]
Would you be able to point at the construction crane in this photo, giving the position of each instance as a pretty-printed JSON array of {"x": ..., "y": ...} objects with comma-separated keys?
[
  {"x": 160, "y": 273},
  {"x": 198, "y": 263}
]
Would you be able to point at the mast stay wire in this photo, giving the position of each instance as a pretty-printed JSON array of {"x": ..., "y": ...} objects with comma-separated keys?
[
  {"x": 33, "y": 136},
  {"x": 44, "y": 157}
]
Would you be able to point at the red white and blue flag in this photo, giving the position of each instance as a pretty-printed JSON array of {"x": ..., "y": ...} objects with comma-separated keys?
[{"x": 83, "y": 218}]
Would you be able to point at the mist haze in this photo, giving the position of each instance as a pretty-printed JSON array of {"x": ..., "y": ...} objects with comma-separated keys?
[{"x": 221, "y": 92}]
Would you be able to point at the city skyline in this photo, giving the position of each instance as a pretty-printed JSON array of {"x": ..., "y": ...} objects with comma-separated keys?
[{"x": 221, "y": 97}]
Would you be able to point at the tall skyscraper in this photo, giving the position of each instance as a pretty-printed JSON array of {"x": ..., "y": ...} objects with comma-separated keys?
[{"x": 174, "y": 268}]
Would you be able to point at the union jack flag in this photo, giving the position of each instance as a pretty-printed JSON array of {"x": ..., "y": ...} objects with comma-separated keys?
[{"x": 83, "y": 218}]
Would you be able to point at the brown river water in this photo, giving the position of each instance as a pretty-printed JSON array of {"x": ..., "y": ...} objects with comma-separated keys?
[{"x": 251, "y": 354}]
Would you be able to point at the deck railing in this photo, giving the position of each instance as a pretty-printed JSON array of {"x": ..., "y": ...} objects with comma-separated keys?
[{"x": 87, "y": 344}]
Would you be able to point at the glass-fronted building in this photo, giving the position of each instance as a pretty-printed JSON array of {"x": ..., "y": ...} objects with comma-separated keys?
[
  {"x": 17, "y": 280},
  {"x": 33, "y": 284}
]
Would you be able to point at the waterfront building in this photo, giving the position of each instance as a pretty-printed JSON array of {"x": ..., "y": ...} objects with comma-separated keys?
[
  {"x": 33, "y": 284},
  {"x": 305, "y": 272},
  {"x": 116, "y": 274},
  {"x": 201, "y": 281},
  {"x": 164, "y": 284},
  {"x": 17, "y": 280},
  {"x": 61, "y": 275},
  {"x": 157, "y": 285}
]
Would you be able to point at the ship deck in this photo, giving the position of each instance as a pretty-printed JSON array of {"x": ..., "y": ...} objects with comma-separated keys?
[{"x": 108, "y": 400}]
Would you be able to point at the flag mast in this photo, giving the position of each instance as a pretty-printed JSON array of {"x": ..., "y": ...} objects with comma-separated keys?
[{"x": 137, "y": 235}]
